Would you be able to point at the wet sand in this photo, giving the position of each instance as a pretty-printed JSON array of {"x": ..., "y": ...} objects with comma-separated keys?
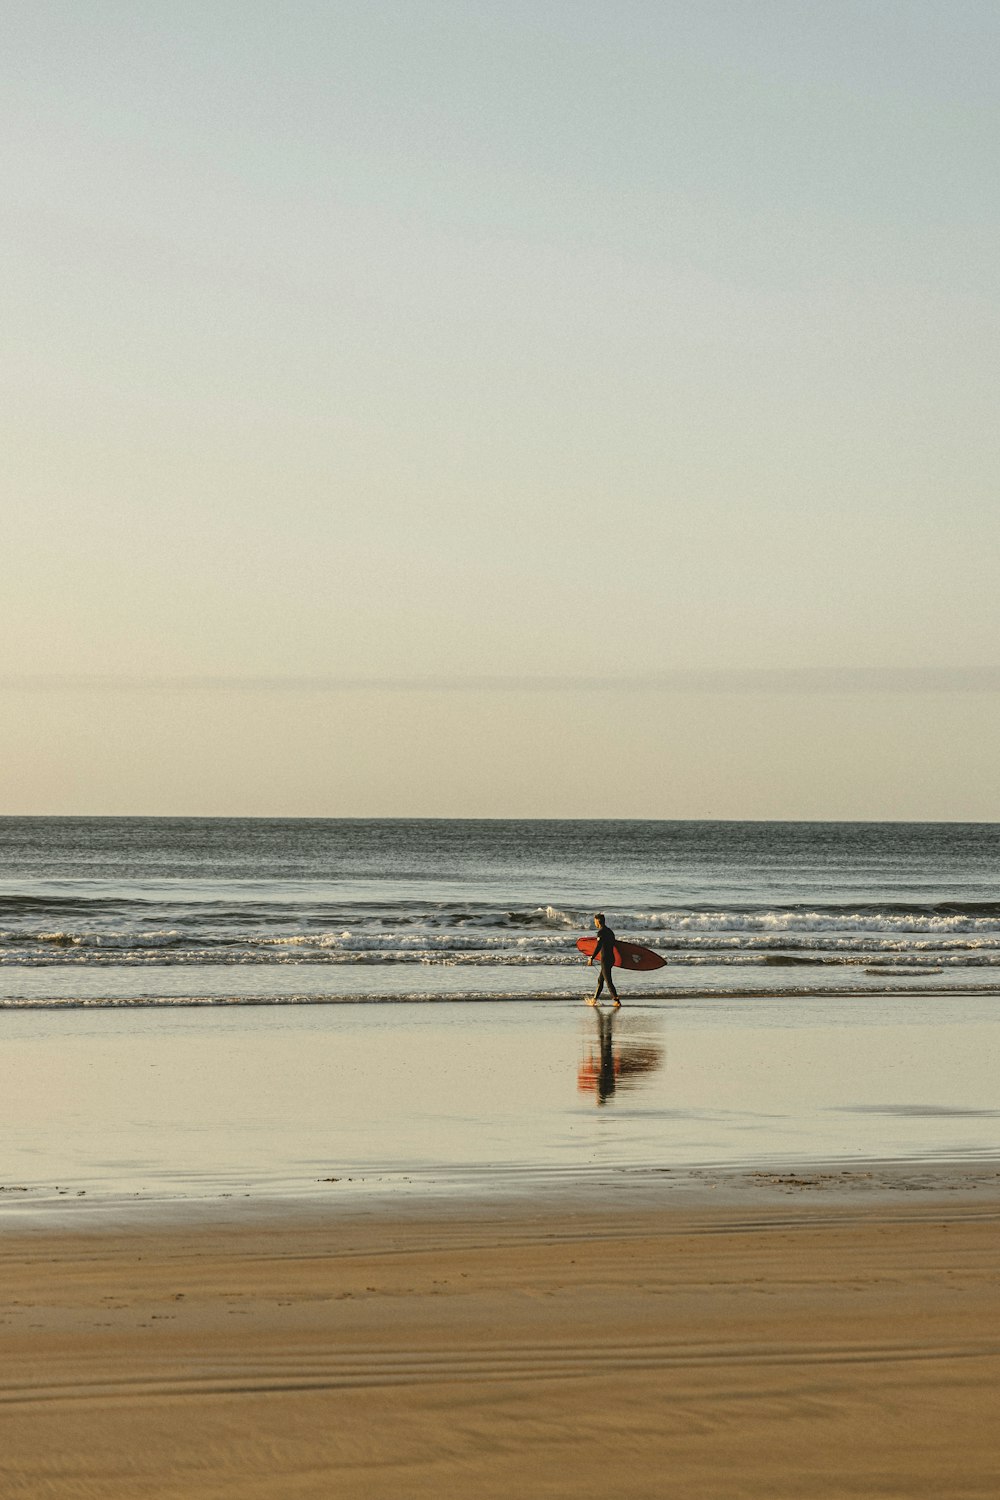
[
  {"x": 403, "y": 1100},
  {"x": 799, "y": 1335}
]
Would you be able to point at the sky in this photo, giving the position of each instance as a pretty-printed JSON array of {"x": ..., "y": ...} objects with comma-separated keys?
[{"x": 450, "y": 408}]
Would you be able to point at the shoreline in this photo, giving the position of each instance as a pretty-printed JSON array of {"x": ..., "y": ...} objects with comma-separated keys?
[
  {"x": 808, "y": 1344},
  {"x": 634, "y": 1000},
  {"x": 637, "y": 1189}
]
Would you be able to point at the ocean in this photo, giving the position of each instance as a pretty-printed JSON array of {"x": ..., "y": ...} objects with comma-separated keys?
[
  {"x": 194, "y": 1010},
  {"x": 156, "y": 911}
]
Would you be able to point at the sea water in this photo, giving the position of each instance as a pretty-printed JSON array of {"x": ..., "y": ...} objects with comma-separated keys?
[
  {"x": 101, "y": 910},
  {"x": 831, "y": 994}
]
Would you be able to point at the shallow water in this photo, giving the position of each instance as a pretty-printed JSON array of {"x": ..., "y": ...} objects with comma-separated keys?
[
  {"x": 116, "y": 985},
  {"x": 200, "y": 1103}
]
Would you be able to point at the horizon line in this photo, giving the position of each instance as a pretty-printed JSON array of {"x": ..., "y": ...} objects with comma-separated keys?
[{"x": 759, "y": 680}]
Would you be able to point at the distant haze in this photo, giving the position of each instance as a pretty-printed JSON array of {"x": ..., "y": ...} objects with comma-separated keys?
[{"x": 543, "y": 409}]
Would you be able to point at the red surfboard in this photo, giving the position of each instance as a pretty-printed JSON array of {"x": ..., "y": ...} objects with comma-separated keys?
[{"x": 627, "y": 955}]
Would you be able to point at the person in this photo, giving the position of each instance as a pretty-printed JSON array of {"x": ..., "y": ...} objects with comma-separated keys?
[{"x": 605, "y": 953}]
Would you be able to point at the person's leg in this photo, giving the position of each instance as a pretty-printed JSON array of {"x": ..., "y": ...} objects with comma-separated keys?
[
  {"x": 606, "y": 978},
  {"x": 600, "y": 984}
]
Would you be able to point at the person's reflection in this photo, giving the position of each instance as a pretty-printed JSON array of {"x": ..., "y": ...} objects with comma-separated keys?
[{"x": 615, "y": 1063}]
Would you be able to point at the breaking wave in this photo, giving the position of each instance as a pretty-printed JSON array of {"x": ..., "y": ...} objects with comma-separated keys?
[{"x": 58, "y": 929}]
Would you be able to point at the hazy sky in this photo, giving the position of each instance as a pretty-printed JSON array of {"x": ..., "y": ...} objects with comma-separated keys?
[{"x": 433, "y": 347}]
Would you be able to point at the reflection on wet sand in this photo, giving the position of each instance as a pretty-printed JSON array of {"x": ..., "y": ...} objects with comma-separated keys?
[{"x": 617, "y": 1057}]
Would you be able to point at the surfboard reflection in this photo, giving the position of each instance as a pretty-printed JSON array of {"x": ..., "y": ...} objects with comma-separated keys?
[{"x": 617, "y": 1057}]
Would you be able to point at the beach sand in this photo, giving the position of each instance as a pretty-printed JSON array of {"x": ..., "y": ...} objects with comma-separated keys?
[{"x": 799, "y": 1337}]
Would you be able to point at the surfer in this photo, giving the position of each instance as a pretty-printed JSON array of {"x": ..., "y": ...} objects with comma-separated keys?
[{"x": 605, "y": 951}]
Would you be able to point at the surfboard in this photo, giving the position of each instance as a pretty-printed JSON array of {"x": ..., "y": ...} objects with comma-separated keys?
[{"x": 627, "y": 955}]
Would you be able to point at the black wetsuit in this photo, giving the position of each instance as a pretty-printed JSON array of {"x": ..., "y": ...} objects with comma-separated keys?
[{"x": 605, "y": 952}]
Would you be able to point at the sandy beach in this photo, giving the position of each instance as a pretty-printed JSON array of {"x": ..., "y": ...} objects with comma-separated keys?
[{"x": 824, "y": 1335}]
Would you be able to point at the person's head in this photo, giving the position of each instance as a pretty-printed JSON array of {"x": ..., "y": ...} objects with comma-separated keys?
[{"x": 598, "y": 919}]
